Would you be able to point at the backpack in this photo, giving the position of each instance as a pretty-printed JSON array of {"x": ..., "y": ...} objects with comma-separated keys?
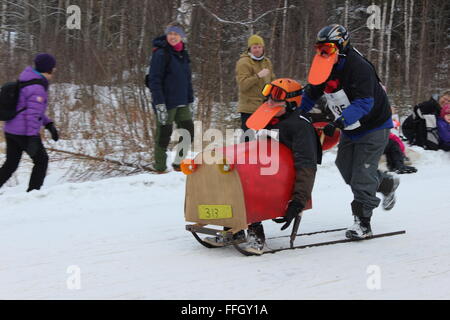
[
  {"x": 421, "y": 130},
  {"x": 167, "y": 58},
  {"x": 409, "y": 128},
  {"x": 9, "y": 98}
]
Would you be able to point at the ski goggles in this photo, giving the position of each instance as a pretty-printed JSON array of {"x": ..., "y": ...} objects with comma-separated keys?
[
  {"x": 326, "y": 48},
  {"x": 279, "y": 94}
]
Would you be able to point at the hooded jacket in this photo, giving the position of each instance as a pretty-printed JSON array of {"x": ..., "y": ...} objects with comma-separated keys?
[
  {"x": 34, "y": 99},
  {"x": 170, "y": 82}
]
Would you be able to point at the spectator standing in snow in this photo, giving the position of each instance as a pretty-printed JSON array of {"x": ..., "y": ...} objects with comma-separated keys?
[
  {"x": 170, "y": 83},
  {"x": 253, "y": 71},
  {"x": 362, "y": 112},
  {"x": 443, "y": 124},
  {"x": 23, "y": 132}
]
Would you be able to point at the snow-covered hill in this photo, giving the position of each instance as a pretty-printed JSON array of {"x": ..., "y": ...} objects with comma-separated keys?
[{"x": 125, "y": 239}]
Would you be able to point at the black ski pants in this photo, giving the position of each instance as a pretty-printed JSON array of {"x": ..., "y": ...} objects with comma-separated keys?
[{"x": 15, "y": 146}]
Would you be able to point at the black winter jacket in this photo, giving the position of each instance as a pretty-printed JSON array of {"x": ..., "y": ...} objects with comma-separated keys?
[
  {"x": 369, "y": 101},
  {"x": 298, "y": 134},
  {"x": 170, "y": 82}
]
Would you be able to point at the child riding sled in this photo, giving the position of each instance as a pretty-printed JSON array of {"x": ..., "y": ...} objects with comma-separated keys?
[{"x": 280, "y": 114}]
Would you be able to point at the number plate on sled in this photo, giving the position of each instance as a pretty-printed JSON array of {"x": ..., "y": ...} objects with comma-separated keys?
[{"x": 208, "y": 212}]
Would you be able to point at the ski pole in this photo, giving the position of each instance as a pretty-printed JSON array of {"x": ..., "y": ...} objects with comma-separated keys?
[{"x": 295, "y": 226}]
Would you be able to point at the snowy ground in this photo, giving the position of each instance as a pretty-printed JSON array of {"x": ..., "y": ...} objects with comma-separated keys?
[{"x": 125, "y": 239}]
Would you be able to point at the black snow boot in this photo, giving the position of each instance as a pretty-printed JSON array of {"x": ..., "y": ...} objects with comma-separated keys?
[
  {"x": 361, "y": 229},
  {"x": 219, "y": 241},
  {"x": 255, "y": 239},
  {"x": 387, "y": 187}
]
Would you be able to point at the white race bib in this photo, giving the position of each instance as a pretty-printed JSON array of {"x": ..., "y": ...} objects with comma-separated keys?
[{"x": 337, "y": 102}]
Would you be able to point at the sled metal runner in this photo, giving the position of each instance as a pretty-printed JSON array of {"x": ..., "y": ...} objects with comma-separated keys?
[
  {"x": 319, "y": 244},
  {"x": 229, "y": 240},
  {"x": 195, "y": 229}
]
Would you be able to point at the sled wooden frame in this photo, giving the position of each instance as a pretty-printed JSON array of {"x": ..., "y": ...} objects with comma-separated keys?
[
  {"x": 209, "y": 186},
  {"x": 227, "y": 235},
  {"x": 198, "y": 228}
]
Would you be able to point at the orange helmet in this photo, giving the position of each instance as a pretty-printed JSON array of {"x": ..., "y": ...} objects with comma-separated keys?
[{"x": 284, "y": 89}]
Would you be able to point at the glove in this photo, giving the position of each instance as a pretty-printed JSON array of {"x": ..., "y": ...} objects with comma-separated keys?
[
  {"x": 33, "y": 146},
  {"x": 51, "y": 128},
  {"x": 331, "y": 127},
  {"x": 293, "y": 210},
  {"x": 162, "y": 114},
  {"x": 405, "y": 169},
  {"x": 263, "y": 73}
]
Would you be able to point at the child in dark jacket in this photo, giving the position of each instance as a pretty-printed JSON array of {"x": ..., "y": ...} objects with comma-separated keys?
[
  {"x": 443, "y": 124},
  {"x": 395, "y": 156}
]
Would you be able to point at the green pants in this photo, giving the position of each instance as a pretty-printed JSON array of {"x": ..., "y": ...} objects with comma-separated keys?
[{"x": 182, "y": 117}]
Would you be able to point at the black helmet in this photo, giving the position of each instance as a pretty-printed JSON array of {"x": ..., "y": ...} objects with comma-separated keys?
[{"x": 334, "y": 33}]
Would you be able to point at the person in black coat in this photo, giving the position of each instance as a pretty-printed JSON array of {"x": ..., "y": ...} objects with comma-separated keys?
[
  {"x": 362, "y": 112},
  {"x": 170, "y": 83}
]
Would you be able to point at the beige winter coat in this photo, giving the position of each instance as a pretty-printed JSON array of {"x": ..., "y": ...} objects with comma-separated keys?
[{"x": 250, "y": 85}]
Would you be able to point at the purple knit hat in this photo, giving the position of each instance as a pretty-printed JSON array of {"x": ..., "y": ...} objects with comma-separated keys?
[
  {"x": 177, "y": 29},
  {"x": 44, "y": 62}
]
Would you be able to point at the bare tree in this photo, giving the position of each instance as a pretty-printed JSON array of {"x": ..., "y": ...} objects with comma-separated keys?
[
  {"x": 283, "y": 36},
  {"x": 422, "y": 47},
  {"x": 185, "y": 13},
  {"x": 250, "y": 17},
  {"x": 407, "y": 39},
  {"x": 369, "y": 55},
  {"x": 3, "y": 20},
  {"x": 306, "y": 47},
  {"x": 381, "y": 40},
  {"x": 105, "y": 62},
  {"x": 388, "y": 46},
  {"x": 143, "y": 27},
  {"x": 347, "y": 5}
]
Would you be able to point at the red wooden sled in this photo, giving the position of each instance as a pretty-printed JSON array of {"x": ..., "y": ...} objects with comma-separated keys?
[{"x": 251, "y": 182}]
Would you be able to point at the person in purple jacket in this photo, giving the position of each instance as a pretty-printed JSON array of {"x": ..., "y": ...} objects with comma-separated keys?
[
  {"x": 23, "y": 132},
  {"x": 443, "y": 125}
]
